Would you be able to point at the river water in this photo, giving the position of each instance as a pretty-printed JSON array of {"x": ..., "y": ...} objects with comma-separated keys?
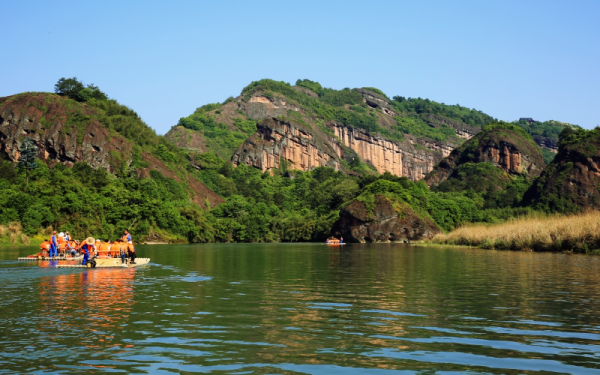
[{"x": 304, "y": 309}]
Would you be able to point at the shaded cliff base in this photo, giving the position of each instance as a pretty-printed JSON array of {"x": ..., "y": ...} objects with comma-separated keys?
[{"x": 578, "y": 233}]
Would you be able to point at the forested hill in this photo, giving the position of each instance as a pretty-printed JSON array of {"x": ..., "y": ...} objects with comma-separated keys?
[
  {"x": 277, "y": 163},
  {"x": 99, "y": 170},
  {"x": 423, "y": 128}
]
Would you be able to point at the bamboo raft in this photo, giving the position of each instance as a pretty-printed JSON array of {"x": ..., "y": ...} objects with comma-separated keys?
[
  {"x": 36, "y": 258},
  {"x": 108, "y": 263}
]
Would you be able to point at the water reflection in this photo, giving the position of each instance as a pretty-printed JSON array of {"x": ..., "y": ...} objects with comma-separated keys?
[{"x": 307, "y": 309}]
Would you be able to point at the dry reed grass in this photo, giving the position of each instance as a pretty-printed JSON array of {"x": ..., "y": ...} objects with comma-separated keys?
[{"x": 578, "y": 233}]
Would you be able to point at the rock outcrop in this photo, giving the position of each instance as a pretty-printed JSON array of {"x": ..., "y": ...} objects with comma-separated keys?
[
  {"x": 399, "y": 158},
  {"x": 62, "y": 134},
  {"x": 275, "y": 139},
  {"x": 506, "y": 146},
  {"x": 68, "y": 132},
  {"x": 375, "y": 100},
  {"x": 547, "y": 143},
  {"x": 305, "y": 148},
  {"x": 187, "y": 139},
  {"x": 571, "y": 181},
  {"x": 387, "y": 222}
]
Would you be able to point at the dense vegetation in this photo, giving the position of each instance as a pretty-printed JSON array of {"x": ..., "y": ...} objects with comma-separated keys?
[
  {"x": 570, "y": 182},
  {"x": 420, "y": 117},
  {"x": 302, "y": 206},
  {"x": 220, "y": 138},
  {"x": 87, "y": 202},
  {"x": 284, "y": 206}
]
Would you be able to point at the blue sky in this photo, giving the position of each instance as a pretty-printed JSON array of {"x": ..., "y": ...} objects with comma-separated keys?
[{"x": 509, "y": 59}]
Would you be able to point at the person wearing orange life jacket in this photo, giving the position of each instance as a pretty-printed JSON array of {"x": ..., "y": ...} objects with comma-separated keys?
[
  {"x": 72, "y": 247},
  {"x": 119, "y": 250},
  {"x": 129, "y": 243},
  {"x": 45, "y": 248},
  {"x": 97, "y": 245},
  {"x": 87, "y": 249},
  {"x": 126, "y": 237},
  {"x": 104, "y": 249},
  {"x": 62, "y": 244}
]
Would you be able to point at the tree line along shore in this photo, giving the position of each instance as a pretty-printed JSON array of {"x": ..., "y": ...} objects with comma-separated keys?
[{"x": 121, "y": 174}]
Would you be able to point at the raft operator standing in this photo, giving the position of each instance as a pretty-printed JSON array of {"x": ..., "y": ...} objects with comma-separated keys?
[
  {"x": 87, "y": 248},
  {"x": 130, "y": 249}
]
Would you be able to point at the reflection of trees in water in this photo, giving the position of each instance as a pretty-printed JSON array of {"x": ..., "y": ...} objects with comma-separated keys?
[{"x": 86, "y": 308}]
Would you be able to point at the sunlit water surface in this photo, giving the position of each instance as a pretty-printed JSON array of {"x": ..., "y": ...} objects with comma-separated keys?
[{"x": 304, "y": 309}]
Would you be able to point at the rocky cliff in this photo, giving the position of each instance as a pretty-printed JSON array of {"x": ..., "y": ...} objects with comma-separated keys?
[
  {"x": 406, "y": 137},
  {"x": 313, "y": 136},
  {"x": 62, "y": 134},
  {"x": 506, "y": 146},
  {"x": 67, "y": 132},
  {"x": 571, "y": 182},
  {"x": 275, "y": 139},
  {"x": 383, "y": 221},
  {"x": 399, "y": 158}
]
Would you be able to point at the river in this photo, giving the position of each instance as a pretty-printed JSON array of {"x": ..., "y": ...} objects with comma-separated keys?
[{"x": 304, "y": 309}]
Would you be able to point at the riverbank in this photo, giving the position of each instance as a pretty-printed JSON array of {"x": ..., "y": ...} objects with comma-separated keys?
[{"x": 573, "y": 233}]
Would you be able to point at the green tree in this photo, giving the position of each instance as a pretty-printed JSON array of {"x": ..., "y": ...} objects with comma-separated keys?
[
  {"x": 76, "y": 90},
  {"x": 69, "y": 87},
  {"x": 28, "y": 152}
]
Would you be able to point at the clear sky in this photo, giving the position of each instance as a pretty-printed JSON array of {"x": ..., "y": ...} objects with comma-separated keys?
[{"x": 509, "y": 59}]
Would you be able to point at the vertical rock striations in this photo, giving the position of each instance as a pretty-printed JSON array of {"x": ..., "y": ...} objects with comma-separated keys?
[{"x": 278, "y": 139}]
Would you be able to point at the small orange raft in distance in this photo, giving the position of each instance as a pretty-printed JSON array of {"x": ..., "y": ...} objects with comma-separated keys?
[{"x": 334, "y": 242}]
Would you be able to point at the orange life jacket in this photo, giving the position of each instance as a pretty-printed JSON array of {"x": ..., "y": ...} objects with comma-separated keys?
[
  {"x": 45, "y": 245},
  {"x": 130, "y": 247},
  {"x": 104, "y": 247}
]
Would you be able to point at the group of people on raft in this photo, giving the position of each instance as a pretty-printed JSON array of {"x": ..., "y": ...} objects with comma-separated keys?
[
  {"x": 335, "y": 241},
  {"x": 63, "y": 245}
]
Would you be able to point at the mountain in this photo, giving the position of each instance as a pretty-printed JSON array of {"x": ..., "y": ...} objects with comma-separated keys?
[
  {"x": 571, "y": 181},
  {"x": 499, "y": 164},
  {"x": 308, "y": 126},
  {"x": 360, "y": 130},
  {"x": 101, "y": 170}
]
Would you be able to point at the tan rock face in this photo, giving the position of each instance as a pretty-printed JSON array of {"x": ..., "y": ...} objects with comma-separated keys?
[
  {"x": 261, "y": 107},
  {"x": 506, "y": 157},
  {"x": 401, "y": 159},
  {"x": 306, "y": 149},
  {"x": 279, "y": 139}
]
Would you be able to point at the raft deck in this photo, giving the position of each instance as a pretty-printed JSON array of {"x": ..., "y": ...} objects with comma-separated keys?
[
  {"x": 109, "y": 263},
  {"x": 31, "y": 259}
]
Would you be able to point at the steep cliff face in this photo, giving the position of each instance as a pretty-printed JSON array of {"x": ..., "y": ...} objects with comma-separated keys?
[
  {"x": 305, "y": 149},
  {"x": 505, "y": 146},
  {"x": 68, "y": 132},
  {"x": 275, "y": 139},
  {"x": 387, "y": 222},
  {"x": 406, "y": 137},
  {"x": 62, "y": 134},
  {"x": 402, "y": 153},
  {"x": 399, "y": 158},
  {"x": 572, "y": 181}
]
